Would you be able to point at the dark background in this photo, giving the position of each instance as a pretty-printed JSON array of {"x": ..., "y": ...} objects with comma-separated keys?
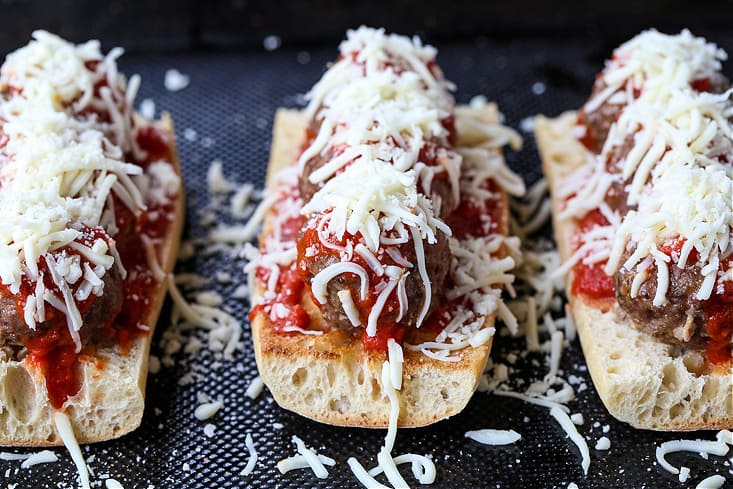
[{"x": 243, "y": 24}]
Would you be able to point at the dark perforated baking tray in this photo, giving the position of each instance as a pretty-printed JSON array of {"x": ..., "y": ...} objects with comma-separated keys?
[{"x": 230, "y": 104}]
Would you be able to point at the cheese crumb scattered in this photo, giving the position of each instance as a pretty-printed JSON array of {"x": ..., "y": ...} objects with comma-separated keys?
[
  {"x": 175, "y": 80},
  {"x": 209, "y": 430},
  {"x": 603, "y": 443}
]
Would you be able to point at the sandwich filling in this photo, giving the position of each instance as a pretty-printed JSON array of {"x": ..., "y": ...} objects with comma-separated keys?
[
  {"x": 654, "y": 204},
  {"x": 87, "y": 193},
  {"x": 385, "y": 221}
]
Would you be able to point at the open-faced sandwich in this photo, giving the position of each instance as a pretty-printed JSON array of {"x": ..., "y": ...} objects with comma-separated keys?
[
  {"x": 92, "y": 206},
  {"x": 384, "y": 251},
  {"x": 642, "y": 188}
]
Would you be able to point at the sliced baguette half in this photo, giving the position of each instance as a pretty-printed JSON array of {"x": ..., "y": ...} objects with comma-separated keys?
[
  {"x": 111, "y": 399},
  {"x": 641, "y": 381},
  {"x": 331, "y": 378}
]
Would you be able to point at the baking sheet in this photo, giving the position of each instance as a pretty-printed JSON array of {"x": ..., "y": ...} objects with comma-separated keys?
[{"x": 226, "y": 113}]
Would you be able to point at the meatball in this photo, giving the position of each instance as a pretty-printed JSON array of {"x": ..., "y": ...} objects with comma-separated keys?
[
  {"x": 437, "y": 261},
  {"x": 13, "y": 330},
  {"x": 680, "y": 320},
  {"x": 440, "y": 188}
]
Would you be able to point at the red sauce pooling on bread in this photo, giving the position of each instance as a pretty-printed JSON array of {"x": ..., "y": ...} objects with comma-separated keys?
[
  {"x": 590, "y": 280},
  {"x": 285, "y": 312},
  {"x": 55, "y": 354}
]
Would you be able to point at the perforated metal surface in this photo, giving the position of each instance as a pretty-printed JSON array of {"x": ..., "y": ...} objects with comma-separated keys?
[{"x": 230, "y": 104}]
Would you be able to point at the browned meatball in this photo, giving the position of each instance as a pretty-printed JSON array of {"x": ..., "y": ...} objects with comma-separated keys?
[
  {"x": 437, "y": 260},
  {"x": 13, "y": 329},
  {"x": 678, "y": 321}
]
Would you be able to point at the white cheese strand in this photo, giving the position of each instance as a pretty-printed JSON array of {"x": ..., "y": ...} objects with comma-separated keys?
[
  {"x": 394, "y": 406},
  {"x": 697, "y": 446},
  {"x": 378, "y": 307},
  {"x": 422, "y": 468},
  {"x": 252, "y": 459},
  {"x": 422, "y": 269},
  {"x": 319, "y": 283},
  {"x": 712, "y": 482},
  {"x": 347, "y": 302},
  {"x": 297, "y": 462},
  {"x": 564, "y": 420},
  {"x": 66, "y": 433},
  {"x": 494, "y": 437},
  {"x": 310, "y": 456},
  {"x": 42, "y": 457},
  {"x": 396, "y": 359},
  {"x": 363, "y": 476}
]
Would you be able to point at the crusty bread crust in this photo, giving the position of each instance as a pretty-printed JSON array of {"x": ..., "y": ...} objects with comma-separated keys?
[
  {"x": 331, "y": 378},
  {"x": 641, "y": 380},
  {"x": 112, "y": 396}
]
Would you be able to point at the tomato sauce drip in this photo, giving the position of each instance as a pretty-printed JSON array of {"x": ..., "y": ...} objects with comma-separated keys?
[{"x": 54, "y": 353}]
